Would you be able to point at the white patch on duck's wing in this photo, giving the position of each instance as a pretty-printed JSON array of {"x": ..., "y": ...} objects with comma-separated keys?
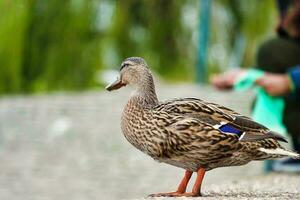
[
  {"x": 241, "y": 137},
  {"x": 217, "y": 126},
  {"x": 279, "y": 151}
]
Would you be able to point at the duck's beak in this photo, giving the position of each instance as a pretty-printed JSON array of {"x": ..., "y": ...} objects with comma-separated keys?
[{"x": 115, "y": 85}]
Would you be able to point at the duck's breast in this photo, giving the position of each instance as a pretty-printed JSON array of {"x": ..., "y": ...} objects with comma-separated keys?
[{"x": 140, "y": 130}]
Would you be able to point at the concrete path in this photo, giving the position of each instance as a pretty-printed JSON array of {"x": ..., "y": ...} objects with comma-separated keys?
[{"x": 69, "y": 146}]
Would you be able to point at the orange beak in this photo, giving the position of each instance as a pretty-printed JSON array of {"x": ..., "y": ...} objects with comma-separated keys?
[{"x": 115, "y": 85}]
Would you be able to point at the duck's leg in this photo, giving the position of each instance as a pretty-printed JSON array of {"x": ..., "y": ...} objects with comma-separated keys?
[
  {"x": 197, "y": 185},
  {"x": 181, "y": 188}
]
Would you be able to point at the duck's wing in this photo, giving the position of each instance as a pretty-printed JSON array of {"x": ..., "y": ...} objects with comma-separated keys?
[
  {"x": 189, "y": 138},
  {"x": 220, "y": 117}
]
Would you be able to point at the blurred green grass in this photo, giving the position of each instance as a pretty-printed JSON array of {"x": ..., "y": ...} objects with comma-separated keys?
[{"x": 63, "y": 45}]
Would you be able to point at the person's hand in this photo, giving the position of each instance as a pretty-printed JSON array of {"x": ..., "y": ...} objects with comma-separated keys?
[
  {"x": 275, "y": 84},
  {"x": 226, "y": 80}
]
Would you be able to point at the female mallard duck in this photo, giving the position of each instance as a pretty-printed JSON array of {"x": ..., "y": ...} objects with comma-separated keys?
[{"x": 190, "y": 133}]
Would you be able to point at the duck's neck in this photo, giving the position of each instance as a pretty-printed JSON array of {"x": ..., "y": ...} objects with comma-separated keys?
[{"x": 145, "y": 94}]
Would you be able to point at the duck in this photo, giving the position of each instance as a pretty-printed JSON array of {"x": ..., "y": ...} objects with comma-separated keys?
[{"x": 190, "y": 133}]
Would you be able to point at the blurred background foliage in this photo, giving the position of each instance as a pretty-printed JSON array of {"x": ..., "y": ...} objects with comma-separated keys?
[{"x": 67, "y": 44}]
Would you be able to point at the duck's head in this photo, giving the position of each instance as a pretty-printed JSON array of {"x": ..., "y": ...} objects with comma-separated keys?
[{"x": 132, "y": 72}]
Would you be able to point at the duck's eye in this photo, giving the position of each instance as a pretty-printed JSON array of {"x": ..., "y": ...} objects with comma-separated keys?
[{"x": 124, "y": 65}]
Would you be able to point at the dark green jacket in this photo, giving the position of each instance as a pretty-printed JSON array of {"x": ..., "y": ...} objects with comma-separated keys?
[{"x": 282, "y": 55}]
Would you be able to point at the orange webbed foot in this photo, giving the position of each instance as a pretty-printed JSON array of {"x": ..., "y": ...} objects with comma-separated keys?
[{"x": 182, "y": 186}]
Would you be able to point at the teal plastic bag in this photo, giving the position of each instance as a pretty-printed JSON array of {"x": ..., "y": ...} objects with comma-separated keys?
[{"x": 267, "y": 110}]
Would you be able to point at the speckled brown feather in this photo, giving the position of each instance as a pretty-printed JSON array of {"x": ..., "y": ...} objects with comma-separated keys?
[
  {"x": 186, "y": 142},
  {"x": 183, "y": 133}
]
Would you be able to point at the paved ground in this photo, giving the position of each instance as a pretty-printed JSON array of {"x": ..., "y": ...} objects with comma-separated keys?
[
  {"x": 272, "y": 186},
  {"x": 69, "y": 146}
]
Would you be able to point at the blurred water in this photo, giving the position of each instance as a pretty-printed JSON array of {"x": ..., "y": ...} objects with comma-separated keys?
[{"x": 69, "y": 146}]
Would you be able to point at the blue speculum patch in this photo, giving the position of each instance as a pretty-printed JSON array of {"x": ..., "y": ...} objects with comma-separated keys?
[{"x": 230, "y": 129}]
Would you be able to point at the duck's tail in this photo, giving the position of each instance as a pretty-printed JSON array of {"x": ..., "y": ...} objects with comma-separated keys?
[{"x": 281, "y": 152}]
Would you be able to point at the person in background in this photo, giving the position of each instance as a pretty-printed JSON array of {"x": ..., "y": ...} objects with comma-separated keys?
[{"x": 280, "y": 59}]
